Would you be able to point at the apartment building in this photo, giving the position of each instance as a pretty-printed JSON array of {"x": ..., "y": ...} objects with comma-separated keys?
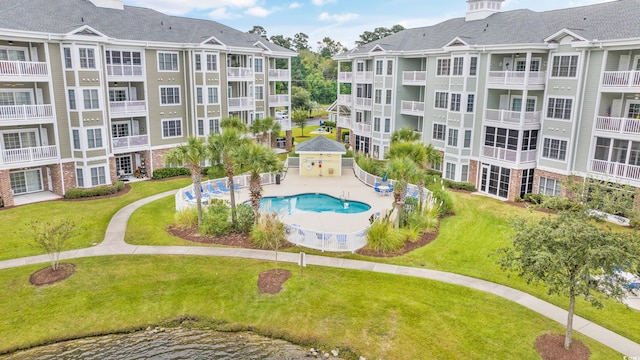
[
  {"x": 516, "y": 101},
  {"x": 91, "y": 90}
]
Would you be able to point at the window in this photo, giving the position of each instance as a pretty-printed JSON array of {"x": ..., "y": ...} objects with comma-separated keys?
[
  {"x": 529, "y": 140},
  {"x": 20, "y": 140},
  {"x": 13, "y": 55},
  {"x": 442, "y": 100},
  {"x": 97, "y": 176},
  {"x": 76, "y": 139},
  {"x": 465, "y": 173},
  {"x": 169, "y": 95},
  {"x": 501, "y": 138},
  {"x": 455, "y": 102},
  {"x": 87, "y": 58},
  {"x": 25, "y": 181},
  {"x": 389, "y": 67},
  {"x": 554, "y": 149},
  {"x": 467, "y": 139},
  {"x": 376, "y": 124},
  {"x": 200, "y": 127},
  {"x": 72, "y": 99},
  {"x": 450, "y": 172},
  {"x": 212, "y": 62},
  {"x": 388, "y": 98},
  {"x": 458, "y": 66},
  {"x": 549, "y": 186},
  {"x": 559, "y": 108},
  {"x": 379, "y": 64},
  {"x": 438, "y": 131},
  {"x": 526, "y": 182},
  {"x": 198, "y": 61},
  {"x": 259, "y": 92},
  {"x": 212, "y": 95},
  {"x": 79, "y": 178},
  {"x": 167, "y": 61},
  {"x": 171, "y": 128},
  {"x": 90, "y": 99},
  {"x": 68, "y": 64},
  {"x": 443, "y": 67},
  {"x": 471, "y": 98},
  {"x": 199, "y": 99},
  {"x": 387, "y": 125},
  {"x": 94, "y": 138},
  {"x": 634, "y": 111},
  {"x": 258, "y": 65},
  {"x": 473, "y": 66},
  {"x": 119, "y": 129},
  {"x": 564, "y": 66},
  {"x": 378, "y": 96},
  {"x": 453, "y": 138}
]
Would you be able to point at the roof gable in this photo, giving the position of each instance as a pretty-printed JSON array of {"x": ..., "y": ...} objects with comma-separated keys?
[
  {"x": 85, "y": 31},
  {"x": 320, "y": 144},
  {"x": 558, "y": 36},
  {"x": 213, "y": 41},
  {"x": 456, "y": 42}
]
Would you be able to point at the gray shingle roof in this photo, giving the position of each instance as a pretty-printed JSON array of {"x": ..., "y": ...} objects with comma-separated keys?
[
  {"x": 132, "y": 23},
  {"x": 606, "y": 21},
  {"x": 321, "y": 144}
]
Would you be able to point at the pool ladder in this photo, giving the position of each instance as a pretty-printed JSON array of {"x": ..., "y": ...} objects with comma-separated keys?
[{"x": 343, "y": 197}]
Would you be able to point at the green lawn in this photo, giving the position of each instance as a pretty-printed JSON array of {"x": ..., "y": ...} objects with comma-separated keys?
[
  {"x": 373, "y": 315},
  {"x": 90, "y": 216}
]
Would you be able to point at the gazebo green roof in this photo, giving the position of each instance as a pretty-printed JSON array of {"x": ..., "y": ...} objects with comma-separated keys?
[{"x": 321, "y": 144}]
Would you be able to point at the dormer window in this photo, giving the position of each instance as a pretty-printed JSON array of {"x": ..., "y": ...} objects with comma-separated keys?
[{"x": 481, "y": 9}]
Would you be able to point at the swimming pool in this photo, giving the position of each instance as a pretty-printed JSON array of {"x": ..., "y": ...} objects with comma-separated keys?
[{"x": 311, "y": 203}]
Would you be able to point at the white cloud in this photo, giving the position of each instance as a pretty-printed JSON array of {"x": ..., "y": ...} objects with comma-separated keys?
[
  {"x": 322, "y": 2},
  {"x": 325, "y": 16},
  {"x": 295, "y": 5},
  {"x": 220, "y": 13},
  {"x": 258, "y": 11}
]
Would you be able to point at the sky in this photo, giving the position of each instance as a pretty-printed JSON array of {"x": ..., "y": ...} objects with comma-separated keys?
[{"x": 341, "y": 20}]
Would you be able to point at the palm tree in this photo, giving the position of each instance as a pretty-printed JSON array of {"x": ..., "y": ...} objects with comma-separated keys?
[
  {"x": 191, "y": 155},
  {"x": 222, "y": 147},
  {"x": 404, "y": 134},
  {"x": 257, "y": 159},
  {"x": 265, "y": 127},
  {"x": 402, "y": 169}
]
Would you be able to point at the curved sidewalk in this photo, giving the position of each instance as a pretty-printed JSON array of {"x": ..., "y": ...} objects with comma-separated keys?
[{"x": 114, "y": 244}]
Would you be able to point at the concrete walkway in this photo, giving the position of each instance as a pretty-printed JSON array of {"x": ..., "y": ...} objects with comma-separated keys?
[{"x": 114, "y": 244}]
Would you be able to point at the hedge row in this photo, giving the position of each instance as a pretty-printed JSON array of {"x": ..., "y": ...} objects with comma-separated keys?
[
  {"x": 170, "y": 172},
  {"x": 77, "y": 193}
]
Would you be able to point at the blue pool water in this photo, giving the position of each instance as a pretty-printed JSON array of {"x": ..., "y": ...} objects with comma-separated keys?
[{"x": 310, "y": 203}]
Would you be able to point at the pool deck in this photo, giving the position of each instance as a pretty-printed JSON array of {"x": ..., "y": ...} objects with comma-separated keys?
[{"x": 347, "y": 186}]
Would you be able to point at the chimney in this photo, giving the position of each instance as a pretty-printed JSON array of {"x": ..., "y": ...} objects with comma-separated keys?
[
  {"x": 109, "y": 4},
  {"x": 481, "y": 9}
]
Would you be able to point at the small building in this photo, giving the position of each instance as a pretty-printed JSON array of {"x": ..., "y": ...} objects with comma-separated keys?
[{"x": 320, "y": 156}]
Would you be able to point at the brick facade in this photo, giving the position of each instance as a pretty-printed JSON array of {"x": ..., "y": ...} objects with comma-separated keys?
[
  {"x": 549, "y": 175},
  {"x": 472, "y": 177},
  {"x": 6, "y": 194},
  {"x": 157, "y": 160},
  {"x": 515, "y": 183}
]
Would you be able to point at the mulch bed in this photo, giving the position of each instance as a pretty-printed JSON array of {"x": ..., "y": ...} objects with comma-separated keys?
[
  {"x": 233, "y": 239},
  {"x": 408, "y": 246},
  {"x": 125, "y": 190},
  {"x": 270, "y": 281},
  {"x": 551, "y": 347},
  {"x": 47, "y": 276}
]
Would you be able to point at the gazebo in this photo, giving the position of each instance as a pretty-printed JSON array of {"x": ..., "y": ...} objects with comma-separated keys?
[{"x": 320, "y": 156}]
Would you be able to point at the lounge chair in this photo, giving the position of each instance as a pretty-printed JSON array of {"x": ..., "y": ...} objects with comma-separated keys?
[
  {"x": 190, "y": 197},
  {"x": 236, "y": 187},
  {"x": 342, "y": 241},
  {"x": 212, "y": 190},
  {"x": 223, "y": 187},
  {"x": 203, "y": 193}
]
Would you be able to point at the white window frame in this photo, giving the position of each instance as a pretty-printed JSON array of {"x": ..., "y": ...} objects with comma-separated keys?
[
  {"x": 91, "y": 92},
  {"x": 555, "y": 99},
  {"x": 387, "y": 125},
  {"x": 548, "y": 150},
  {"x": 377, "y": 121},
  {"x": 170, "y": 87},
  {"x": 450, "y": 171},
  {"x": 93, "y": 131},
  {"x": 171, "y": 53},
  {"x": 89, "y": 57},
  {"x": 452, "y": 138},
  {"x": 473, "y": 65},
  {"x": 199, "y": 95},
  {"x": 176, "y": 121},
  {"x": 440, "y": 67},
  {"x": 439, "y": 102},
  {"x": 543, "y": 186},
  {"x": 76, "y": 139},
  {"x": 216, "y": 92},
  {"x": 389, "y": 67},
  {"x": 379, "y": 67},
  {"x": 441, "y": 128},
  {"x": 455, "y": 102},
  {"x": 99, "y": 175},
  {"x": 67, "y": 57},
  {"x": 258, "y": 69},
  {"x": 216, "y": 62},
  {"x": 457, "y": 66},
  {"x": 197, "y": 62},
  {"x": 554, "y": 74},
  {"x": 258, "y": 92}
]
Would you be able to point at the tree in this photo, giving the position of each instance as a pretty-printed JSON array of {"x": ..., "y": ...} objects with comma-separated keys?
[
  {"x": 258, "y": 30},
  {"x": 264, "y": 128},
  {"x": 222, "y": 147},
  {"x": 300, "y": 98},
  {"x": 378, "y": 33},
  {"x": 299, "y": 117},
  {"x": 256, "y": 159},
  {"x": 51, "y": 237},
  {"x": 191, "y": 155},
  {"x": 329, "y": 47},
  {"x": 301, "y": 41},
  {"x": 571, "y": 257},
  {"x": 270, "y": 233},
  {"x": 282, "y": 41},
  {"x": 402, "y": 169}
]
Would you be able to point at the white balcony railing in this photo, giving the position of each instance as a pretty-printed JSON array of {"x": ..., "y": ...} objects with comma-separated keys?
[
  {"x": 239, "y": 73},
  {"x": 344, "y": 99},
  {"x": 29, "y": 155},
  {"x": 127, "y": 107},
  {"x": 517, "y": 77},
  {"x": 26, "y": 112},
  {"x": 362, "y": 127},
  {"x": 279, "y": 74},
  {"x": 344, "y": 121},
  {"x": 345, "y": 76},
  {"x": 130, "y": 141},
  {"x": 364, "y": 76},
  {"x": 121, "y": 70},
  {"x": 512, "y": 117},
  {"x": 412, "y": 108},
  {"x": 365, "y": 103},
  {"x": 26, "y": 69},
  {"x": 615, "y": 169},
  {"x": 414, "y": 78},
  {"x": 279, "y": 100},
  {"x": 241, "y": 103},
  {"x": 508, "y": 155},
  {"x": 621, "y": 79},
  {"x": 618, "y": 125}
]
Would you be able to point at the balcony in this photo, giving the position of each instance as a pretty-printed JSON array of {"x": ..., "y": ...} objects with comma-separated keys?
[
  {"x": 279, "y": 75},
  {"x": 618, "y": 125},
  {"x": 345, "y": 77},
  {"x": 285, "y": 124},
  {"x": 624, "y": 81},
  {"x": 512, "y": 117},
  {"x": 344, "y": 121},
  {"x": 241, "y": 103},
  {"x": 536, "y": 79},
  {"x": 130, "y": 142},
  {"x": 123, "y": 72},
  {"x": 30, "y": 156},
  {"x": 344, "y": 99},
  {"x": 362, "y": 127},
  {"x": 26, "y": 114},
  {"x": 364, "y": 77},
  {"x": 23, "y": 71},
  {"x": 415, "y": 78},
  {"x": 127, "y": 108},
  {"x": 414, "y": 108},
  {"x": 279, "y": 100},
  {"x": 512, "y": 156},
  {"x": 239, "y": 74},
  {"x": 615, "y": 170},
  {"x": 364, "y": 103}
]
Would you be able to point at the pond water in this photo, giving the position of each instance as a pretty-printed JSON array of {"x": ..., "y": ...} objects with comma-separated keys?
[{"x": 172, "y": 343}]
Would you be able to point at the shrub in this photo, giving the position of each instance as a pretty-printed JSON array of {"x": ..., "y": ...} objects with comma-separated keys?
[
  {"x": 169, "y": 172},
  {"x": 459, "y": 185},
  {"x": 370, "y": 165},
  {"x": 518, "y": 199},
  {"x": 382, "y": 237},
  {"x": 213, "y": 172},
  {"x": 186, "y": 218},
  {"x": 76, "y": 193},
  {"x": 443, "y": 199},
  {"x": 215, "y": 221},
  {"x": 533, "y": 198},
  {"x": 269, "y": 232},
  {"x": 245, "y": 218}
]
